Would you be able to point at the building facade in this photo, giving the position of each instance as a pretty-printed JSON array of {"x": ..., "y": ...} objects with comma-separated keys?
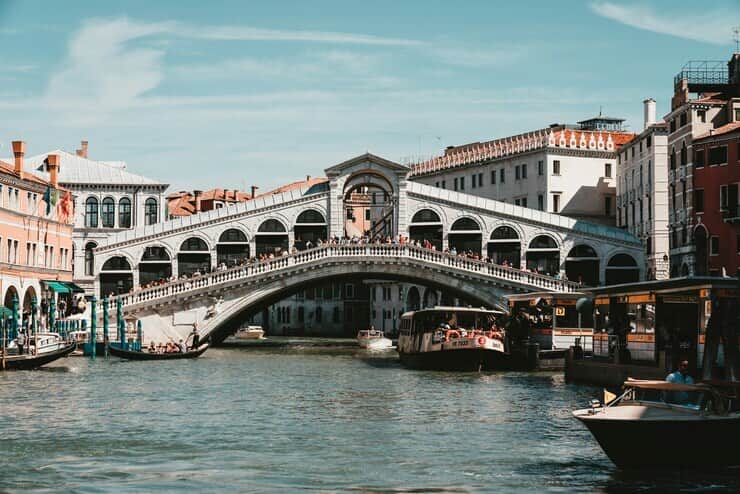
[
  {"x": 706, "y": 97},
  {"x": 564, "y": 169},
  {"x": 108, "y": 199},
  {"x": 36, "y": 219},
  {"x": 642, "y": 191},
  {"x": 186, "y": 203}
]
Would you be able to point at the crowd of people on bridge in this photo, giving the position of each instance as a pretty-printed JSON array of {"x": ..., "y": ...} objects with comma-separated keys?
[{"x": 303, "y": 245}]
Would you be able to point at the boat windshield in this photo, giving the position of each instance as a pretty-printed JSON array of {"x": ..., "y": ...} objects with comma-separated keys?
[
  {"x": 469, "y": 320},
  {"x": 688, "y": 396}
]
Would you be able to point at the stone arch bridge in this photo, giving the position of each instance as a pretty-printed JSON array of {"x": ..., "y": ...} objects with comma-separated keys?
[{"x": 210, "y": 246}]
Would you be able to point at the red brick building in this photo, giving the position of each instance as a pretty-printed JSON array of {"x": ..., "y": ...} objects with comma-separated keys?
[{"x": 716, "y": 202}]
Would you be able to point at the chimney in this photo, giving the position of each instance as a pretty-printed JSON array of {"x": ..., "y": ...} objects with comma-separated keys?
[
  {"x": 308, "y": 177},
  {"x": 197, "y": 194},
  {"x": 19, "y": 150},
  {"x": 254, "y": 191},
  {"x": 733, "y": 69},
  {"x": 82, "y": 152},
  {"x": 53, "y": 160},
  {"x": 649, "y": 109}
]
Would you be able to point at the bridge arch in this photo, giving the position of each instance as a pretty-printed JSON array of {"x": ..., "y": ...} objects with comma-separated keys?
[
  {"x": 466, "y": 234},
  {"x": 370, "y": 200},
  {"x": 621, "y": 268},
  {"x": 194, "y": 256},
  {"x": 271, "y": 237},
  {"x": 413, "y": 299},
  {"x": 430, "y": 298},
  {"x": 426, "y": 225},
  {"x": 505, "y": 246},
  {"x": 116, "y": 275},
  {"x": 543, "y": 254},
  {"x": 582, "y": 264}
]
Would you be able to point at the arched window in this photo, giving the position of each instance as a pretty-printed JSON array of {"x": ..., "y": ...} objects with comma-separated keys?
[
  {"x": 90, "y": 258},
  {"x": 543, "y": 242},
  {"x": 155, "y": 254},
  {"x": 151, "y": 212},
  {"x": 504, "y": 233},
  {"x": 465, "y": 224},
  {"x": 108, "y": 213},
  {"x": 194, "y": 244},
  {"x": 582, "y": 251},
  {"x": 124, "y": 213},
  {"x": 91, "y": 212},
  {"x": 426, "y": 216},
  {"x": 232, "y": 235},
  {"x": 118, "y": 263},
  {"x": 271, "y": 226},
  {"x": 582, "y": 265},
  {"x": 310, "y": 216},
  {"x": 622, "y": 268},
  {"x": 622, "y": 261}
]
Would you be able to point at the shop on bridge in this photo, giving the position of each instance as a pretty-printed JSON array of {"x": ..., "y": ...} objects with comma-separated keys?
[
  {"x": 194, "y": 257},
  {"x": 232, "y": 247},
  {"x": 504, "y": 247},
  {"x": 582, "y": 265},
  {"x": 426, "y": 226},
  {"x": 116, "y": 277},
  {"x": 155, "y": 265},
  {"x": 271, "y": 238},
  {"x": 310, "y": 227},
  {"x": 465, "y": 236},
  {"x": 543, "y": 255}
]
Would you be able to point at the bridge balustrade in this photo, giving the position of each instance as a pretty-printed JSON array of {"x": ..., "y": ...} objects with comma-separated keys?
[{"x": 347, "y": 251}]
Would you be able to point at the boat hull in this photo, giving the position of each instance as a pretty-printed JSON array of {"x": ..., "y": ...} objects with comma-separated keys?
[
  {"x": 135, "y": 355},
  {"x": 689, "y": 443},
  {"x": 28, "y": 362},
  {"x": 464, "y": 359}
]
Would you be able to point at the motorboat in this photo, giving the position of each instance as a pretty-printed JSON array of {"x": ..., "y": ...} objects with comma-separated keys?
[
  {"x": 454, "y": 339},
  {"x": 39, "y": 343},
  {"x": 250, "y": 333},
  {"x": 372, "y": 339},
  {"x": 34, "y": 361},
  {"x": 662, "y": 424}
]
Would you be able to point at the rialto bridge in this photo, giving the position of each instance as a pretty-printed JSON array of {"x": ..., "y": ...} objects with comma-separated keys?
[{"x": 366, "y": 193}]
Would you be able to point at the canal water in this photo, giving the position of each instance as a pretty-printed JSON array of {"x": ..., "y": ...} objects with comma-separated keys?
[{"x": 303, "y": 418}]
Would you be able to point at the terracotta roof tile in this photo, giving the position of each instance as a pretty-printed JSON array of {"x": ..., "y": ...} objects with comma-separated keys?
[{"x": 724, "y": 129}]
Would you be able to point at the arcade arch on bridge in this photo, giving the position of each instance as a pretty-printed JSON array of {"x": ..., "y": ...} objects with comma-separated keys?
[
  {"x": 310, "y": 227},
  {"x": 622, "y": 268},
  {"x": 582, "y": 265},
  {"x": 413, "y": 299},
  {"x": 155, "y": 265},
  {"x": 271, "y": 238},
  {"x": 116, "y": 276},
  {"x": 505, "y": 247},
  {"x": 194, "y": 256},
  {"x": 369, "y": 205},
  {"x": 465, "y": 235},
  {"x": 426, "y": 225},
  {"x": 232, "y": 247},
  {"x": 543, "y": 255}
]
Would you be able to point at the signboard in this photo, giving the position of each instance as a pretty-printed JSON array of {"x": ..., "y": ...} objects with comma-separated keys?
[
  {"x": 679, "y": 299},
  {"x": 559, "y": 311}
]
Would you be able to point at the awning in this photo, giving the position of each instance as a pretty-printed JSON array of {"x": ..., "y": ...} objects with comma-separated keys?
[
  {"x": 74, "y": 288},
  {"x": 57, "y": 286},
  {"x": 5, "y": 313}
]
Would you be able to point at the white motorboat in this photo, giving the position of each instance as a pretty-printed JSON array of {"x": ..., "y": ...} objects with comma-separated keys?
[
  {"x": 661, "y": 424},
  {"x": 250, "y": 333},
  {"x": 372, "y": 339},
  {"x": 47, "y": 343}
]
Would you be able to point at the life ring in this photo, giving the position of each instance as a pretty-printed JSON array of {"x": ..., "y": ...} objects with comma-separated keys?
[
  {"x": 481, "y": 340},
  {"x": 452, "y": 334}
]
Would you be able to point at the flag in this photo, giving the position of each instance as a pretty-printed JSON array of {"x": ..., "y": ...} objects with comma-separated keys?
[
  {"x": 54, "y": 197},
  {"x": 47, "y": 199},
  {"x": 66, "y": 206}
]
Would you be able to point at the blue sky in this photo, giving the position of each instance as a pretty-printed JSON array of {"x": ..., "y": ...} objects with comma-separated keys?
[{"x": 230, "y": 94}]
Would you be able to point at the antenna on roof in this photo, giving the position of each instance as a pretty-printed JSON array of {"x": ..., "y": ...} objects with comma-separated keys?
[
  {"x": 599, "y": 110},
  {"x": 736, "y": 37}
]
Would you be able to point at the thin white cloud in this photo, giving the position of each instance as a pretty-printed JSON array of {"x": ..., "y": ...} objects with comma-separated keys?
[{"x": 710, "y": 25}]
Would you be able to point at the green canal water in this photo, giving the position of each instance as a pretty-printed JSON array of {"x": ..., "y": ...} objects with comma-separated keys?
[{"x": 303, "y": 418}]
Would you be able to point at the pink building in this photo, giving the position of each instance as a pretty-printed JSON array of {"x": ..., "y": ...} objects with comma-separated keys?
[{"x": 35, "y": 238}]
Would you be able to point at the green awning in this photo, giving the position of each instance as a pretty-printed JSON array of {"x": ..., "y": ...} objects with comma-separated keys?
[
  {"x": 74, "y": 288},
  {"x": 57, "y": 286}
]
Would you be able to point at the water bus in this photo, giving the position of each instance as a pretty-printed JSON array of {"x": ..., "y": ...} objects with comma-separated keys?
[{"x": 453, "y": 338}]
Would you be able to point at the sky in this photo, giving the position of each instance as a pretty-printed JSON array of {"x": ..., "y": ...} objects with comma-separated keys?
[{"x": 237, "y": 93}]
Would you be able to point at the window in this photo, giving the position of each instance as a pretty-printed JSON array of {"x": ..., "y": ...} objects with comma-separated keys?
[
  {"x": 108, "y": 214},
  {"x": 699, "y": 158},
  {"x": 473, "y": 180},
  {"x": 462, "y": 183},
  {"x": 349, "y": 290},
  {"x": 516, "y": 202},
  {"x": 683, "y": 119},
  {"x": 718, "y": 155},
  {"x": 502, "y": 175},
  {"x": 455, "y": 184},
  {"x": 436, "y": 184},
  {"x": 723, "y": 197},
  {"x": 737, "y": 114},
  {"x": 737, "y": 243},
  {"x": 714, "y": 245},
  {"x": 608, "y": 206},
  {"x": 672, "y": 158},
  {"x": 684, "y": 154},
  {"x": 91, "y": 212},
  {"x": 556, "y": 203},
  {"x": 673, "y": 125},
  {"x": 367, "y": 214},
  {"x": 319, "y": 314},
  {"x": 556, "y": 167},
  {"x": 649, "y": 141},
  {"x": 608, "y": 170},
  {"x": 699, "y": 200},
  {"x": 524, "y": 170},
  {"x": 702, "y": 114},
  {"x": 480, "y": 180},
  {"x": 493, "y": 177},
  {"x": 524, "y": 202},
  {"x": 151, "y": 214},
  {"x": 444, "y": 184},
  {"x": 650, "y": 208},
  {"x": 516, "y": 172},
  {"x": 540, "y": 202}
]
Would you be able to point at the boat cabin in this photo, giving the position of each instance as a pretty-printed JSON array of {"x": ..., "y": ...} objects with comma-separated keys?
[
  {"x": 554, "y": 321},
  {"x": 660, "y": 323}
]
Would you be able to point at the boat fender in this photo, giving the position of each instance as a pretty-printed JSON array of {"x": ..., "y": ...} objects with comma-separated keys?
[{"x": 481, "y": 340}]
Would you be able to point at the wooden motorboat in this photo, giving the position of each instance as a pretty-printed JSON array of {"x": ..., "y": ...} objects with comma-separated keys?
[
  {"x": 144, "y": 355},
  {"x": 250, "y": 333},
  {"x": 28, "y": 361},
  {"x": 372, "y": 339},
  {"x": 661, "y": 424}
]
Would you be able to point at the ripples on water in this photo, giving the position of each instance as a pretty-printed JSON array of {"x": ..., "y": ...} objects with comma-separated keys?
[{"x": 302, "y": 419}]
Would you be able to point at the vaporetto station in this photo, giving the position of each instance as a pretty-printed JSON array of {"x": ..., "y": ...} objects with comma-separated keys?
[{"x": 217, "y": 299}]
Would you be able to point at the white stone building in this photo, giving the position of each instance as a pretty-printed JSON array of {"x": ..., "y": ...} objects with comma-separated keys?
[
  {"x": 642, "y": 191},
  {"x": 562, "y": 169},
  {"x": 108, "y": 199}
]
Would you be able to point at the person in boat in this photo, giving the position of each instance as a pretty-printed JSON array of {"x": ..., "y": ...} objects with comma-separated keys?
[
  {"x": 21, "y": 342},
  {"x": 680, "y": 376},
  {"x": 183, "y": 347},
  {"x": 152, "y": 347},
  {"x": 195, "y": 336}
]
